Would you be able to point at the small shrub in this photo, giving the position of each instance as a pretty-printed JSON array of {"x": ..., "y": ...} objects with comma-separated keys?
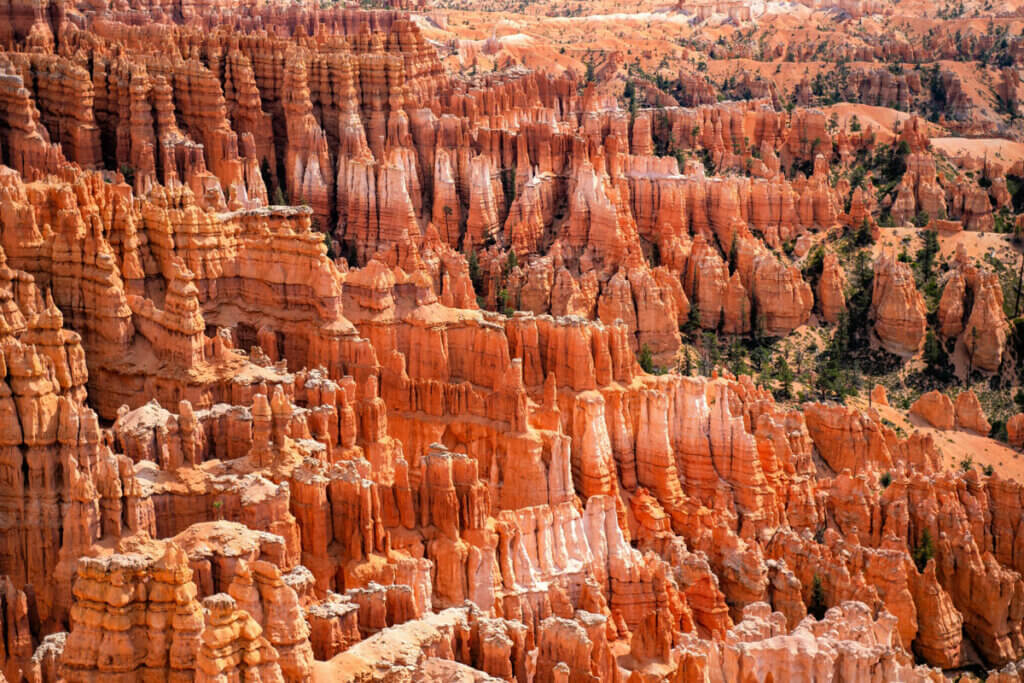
[
  {"x": 885, "y": 480},
  {"x": 692, "y": 324},
  {"x": 474, "y": 271},
  {"x": 817, "y": 606},
  {"x": 862, "y": 237},
  {"x": 646, "y": 359},
  {"x": 998, "y": 431},
  {"x": 512, "y": 262},
  {"x": 129, "y": 174},
  {"x": 924, "y": 551},
  {"x": 329, "y": 243},
  {"x": 813, "y": 266}
]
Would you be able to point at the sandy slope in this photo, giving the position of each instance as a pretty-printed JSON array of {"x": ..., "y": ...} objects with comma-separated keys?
[
  {"x": 1007, "y": 151},
  {"x": 959, "y": 445}
]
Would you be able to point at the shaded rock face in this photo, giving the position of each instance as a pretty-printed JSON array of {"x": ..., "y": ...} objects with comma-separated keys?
[
  {"x": 897, "y": 307},
  {"x": 1015, "y": 430},
  {"x": 262, "y": 405},
  {"x": 831, "y": 289},
  {"x": 228, "y": 124},
  {"x": 936, "y": 409},
  {"x": 232, "y": 645},
  {"x": 971, "y": 310},
  {"x": 985, "y": 333},
  {"x": 969, "y": 413},
  {"x": 145, "y": 591}
]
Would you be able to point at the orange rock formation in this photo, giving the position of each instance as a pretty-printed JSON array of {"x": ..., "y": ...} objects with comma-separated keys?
[{"x": 318, "y": 359}]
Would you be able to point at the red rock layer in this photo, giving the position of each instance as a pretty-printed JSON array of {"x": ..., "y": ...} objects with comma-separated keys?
[{"x": 307, "y": 458}]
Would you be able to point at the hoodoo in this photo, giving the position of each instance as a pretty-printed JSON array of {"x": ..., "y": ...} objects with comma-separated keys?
[{"x": 432, "y": 342}]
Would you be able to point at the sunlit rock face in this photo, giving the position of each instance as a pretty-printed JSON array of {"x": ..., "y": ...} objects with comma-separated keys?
[{"x": 322, "y": 357}]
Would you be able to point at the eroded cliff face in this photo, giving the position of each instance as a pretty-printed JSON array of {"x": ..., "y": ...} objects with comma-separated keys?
[
  {"x": 361, "y": 124},
  {"x": 525, "y": 464},
  {"x": 244, "y": 440}
]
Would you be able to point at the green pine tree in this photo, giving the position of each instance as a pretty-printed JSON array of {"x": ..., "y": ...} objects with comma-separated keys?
[{"x": 817, "y": 606}]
